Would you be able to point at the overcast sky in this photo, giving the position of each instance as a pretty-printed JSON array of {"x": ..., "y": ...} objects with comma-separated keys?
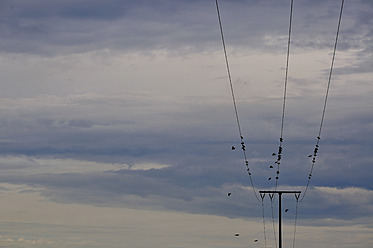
[{"x": 117, "y": 123}]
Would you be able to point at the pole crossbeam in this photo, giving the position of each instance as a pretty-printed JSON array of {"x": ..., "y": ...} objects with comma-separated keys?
[{"x": 279, "y": 192}]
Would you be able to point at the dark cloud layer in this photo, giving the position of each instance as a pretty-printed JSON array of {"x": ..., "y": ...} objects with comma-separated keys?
[
  {"x": 202, "y": 166},
  {"x": 50, "y": 28}
]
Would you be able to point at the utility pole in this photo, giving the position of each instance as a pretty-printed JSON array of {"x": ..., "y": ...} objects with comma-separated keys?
[{"x": 279, "y": 192}]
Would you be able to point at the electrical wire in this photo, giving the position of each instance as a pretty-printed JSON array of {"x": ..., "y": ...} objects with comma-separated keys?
[
  {"x": 234, "y": 102},
  {"x": 272, "y": 197},
  {"x": 264, "y": 223},
  {"x": 325, "y": 103},
  {"x": 295, "y": 219},
  {"x": 279, "y": 153}
]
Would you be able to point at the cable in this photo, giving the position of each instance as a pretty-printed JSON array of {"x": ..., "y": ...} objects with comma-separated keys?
[
  {"x": 325, "y": 103},
  {"x": 279, "y": 153},
  {"x": 273, "y": 218},
  {"x": 295, "y": 219},
  {"x": 264, "y": 224},
  {"x": 234, "y": 102}
]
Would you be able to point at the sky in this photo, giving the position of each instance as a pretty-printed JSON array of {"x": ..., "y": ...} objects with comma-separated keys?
[{"x": 117, "y": 122}]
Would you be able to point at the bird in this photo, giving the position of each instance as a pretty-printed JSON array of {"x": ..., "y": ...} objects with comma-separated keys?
[
  {"x": 273, "y": 154},
  {"x": 255, "y": 240},
  {"x": 271, "y": 166},
  {"x": 236, "y": 234},
  {"x": 229, "y": 193},
  {"x": 310, "y": 155},
  {"x": 286, "y": 210},
  {"x": 269, "y": 179},
  {"x": 233, "y": 148}
]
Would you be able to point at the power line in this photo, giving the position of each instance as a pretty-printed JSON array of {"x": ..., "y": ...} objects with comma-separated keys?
[
  {"x": 295, "y": 219},
  {"x": 264, "y": 223},
  {"x": 279, "y": 153},
  {"x": 325, "y": 103},
  {"x": 272, "y": 196},
  {"x": 234, "y": 102}
]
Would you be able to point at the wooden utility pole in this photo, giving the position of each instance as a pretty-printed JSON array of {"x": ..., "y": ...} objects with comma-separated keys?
[{"x": 279, "y": 192}]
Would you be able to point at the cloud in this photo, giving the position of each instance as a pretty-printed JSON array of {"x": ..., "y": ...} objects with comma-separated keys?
[
  {"x": 187, "y": 188},
  {"x": 127, "y": 105},
  {"x": 40, "y": 27},
  {"x": 69, "y": 27}
]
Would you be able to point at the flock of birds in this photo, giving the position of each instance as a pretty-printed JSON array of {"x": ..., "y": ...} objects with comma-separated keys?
[{"x": 279, "y": 157}]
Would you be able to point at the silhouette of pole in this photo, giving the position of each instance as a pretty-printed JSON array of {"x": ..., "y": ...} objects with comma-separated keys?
[{"x": 280, "y": 192}]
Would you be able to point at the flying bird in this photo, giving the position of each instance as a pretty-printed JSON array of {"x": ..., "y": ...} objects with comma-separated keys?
[
  {"x": 255, "y": 240},
  {"x": 233, "y": 148},
  {"x": 310, "y": 155},
  {"x": 269, "y": 178},
  {"x": 236, "y": 234},
  {"x": 229, "y": 193},
  {"x": 286, "y": 210},
  {"x": 273, "y": 154},
  {"x": 271, "y": 166}
]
